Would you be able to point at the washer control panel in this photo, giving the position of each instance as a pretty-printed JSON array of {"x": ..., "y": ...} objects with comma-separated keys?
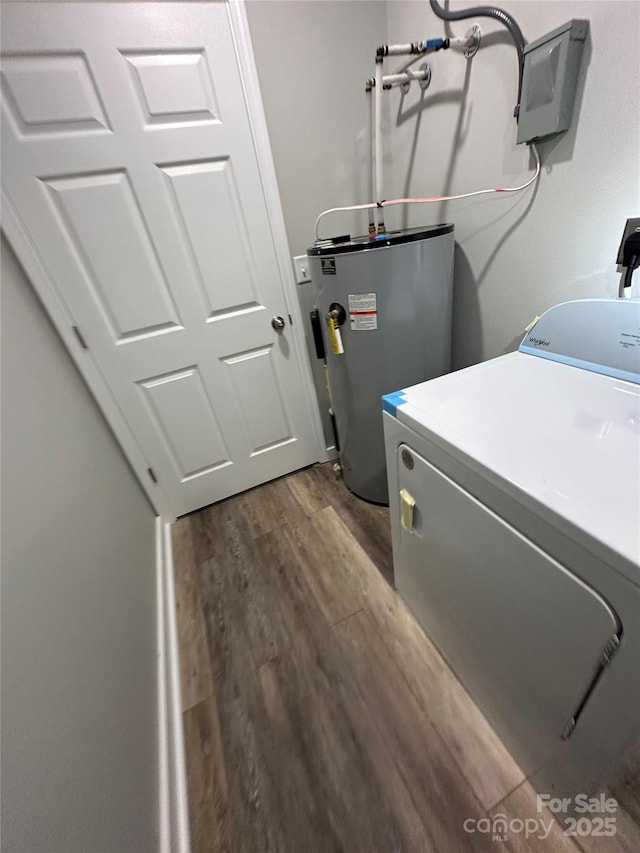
[{"x": 601, "y": 335}]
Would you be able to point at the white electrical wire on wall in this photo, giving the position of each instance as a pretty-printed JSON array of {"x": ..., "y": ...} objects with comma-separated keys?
[{"x": 381, "y": 204}]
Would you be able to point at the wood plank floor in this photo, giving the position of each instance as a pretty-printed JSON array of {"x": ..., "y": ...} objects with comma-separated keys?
[{"x": 317, "y": 715}]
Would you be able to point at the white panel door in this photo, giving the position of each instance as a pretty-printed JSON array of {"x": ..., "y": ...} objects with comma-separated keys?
[{"x": 129, "y": 158}]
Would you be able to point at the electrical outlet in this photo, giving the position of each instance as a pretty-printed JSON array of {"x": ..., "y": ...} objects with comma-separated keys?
[
  {"x": 301, "y": 268},
  {"x": 631, "y": 226}
]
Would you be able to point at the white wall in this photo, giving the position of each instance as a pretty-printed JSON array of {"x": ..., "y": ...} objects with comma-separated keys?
[
  {"x": 79, "y": 691},
  {"x": 518, "y": 256},
  {"x": 313, "y": 57}
]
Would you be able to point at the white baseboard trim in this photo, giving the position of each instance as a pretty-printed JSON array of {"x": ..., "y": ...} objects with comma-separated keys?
[
  {"x": 172, "y": 788},
  {"x": 164, "y": 782}
]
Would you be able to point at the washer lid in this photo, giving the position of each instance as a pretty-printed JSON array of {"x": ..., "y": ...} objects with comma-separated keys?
[{"x": 562, "y": 440}]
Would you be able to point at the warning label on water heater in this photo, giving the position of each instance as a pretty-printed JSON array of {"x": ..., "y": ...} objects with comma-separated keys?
[{"x": 363, "y": 312}]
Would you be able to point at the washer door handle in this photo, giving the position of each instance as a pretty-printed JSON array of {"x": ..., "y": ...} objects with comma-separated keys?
[{"x": 407, "y": 506}]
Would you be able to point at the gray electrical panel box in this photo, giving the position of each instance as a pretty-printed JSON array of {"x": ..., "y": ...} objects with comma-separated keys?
[{"x": 549, "y": 81}]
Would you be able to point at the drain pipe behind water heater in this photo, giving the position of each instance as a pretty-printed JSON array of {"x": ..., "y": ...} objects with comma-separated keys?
[
  {"x": 369, "y": 85},
  {"x": 379, "y": 197}
]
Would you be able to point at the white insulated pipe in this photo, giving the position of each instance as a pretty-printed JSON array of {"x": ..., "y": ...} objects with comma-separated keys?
[
  {"x": 461, "y": 42},
  {"x": 378, "y": 144},
  {"x": 371, "y": 160},
  {"x": 390, "y": 80},
  {"x": 414, "y": 48},
  {"x": 471, "y": 40},
  {"x": 404, "y": 49}
]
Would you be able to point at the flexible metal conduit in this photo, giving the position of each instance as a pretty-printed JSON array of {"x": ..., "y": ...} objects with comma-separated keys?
[{"x": 499, "y": 15}]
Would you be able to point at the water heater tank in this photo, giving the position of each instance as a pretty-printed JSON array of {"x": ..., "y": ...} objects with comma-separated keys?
[{"x": 389, "y": 301}]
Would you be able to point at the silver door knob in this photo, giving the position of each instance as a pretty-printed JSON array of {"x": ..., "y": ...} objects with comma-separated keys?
[{"x": 278, "y": 324}]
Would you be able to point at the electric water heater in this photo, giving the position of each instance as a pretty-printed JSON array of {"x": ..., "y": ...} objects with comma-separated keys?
[{"x": 384, "y": 314}]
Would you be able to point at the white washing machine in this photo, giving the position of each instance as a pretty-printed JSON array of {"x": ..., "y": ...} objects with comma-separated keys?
[{"x": 514, "y": 490}]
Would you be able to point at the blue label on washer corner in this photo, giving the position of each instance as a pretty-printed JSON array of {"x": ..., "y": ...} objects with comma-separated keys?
[{"x": 390, "y": 402}]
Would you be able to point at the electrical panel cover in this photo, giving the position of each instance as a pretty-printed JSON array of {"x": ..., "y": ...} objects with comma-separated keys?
[{"x": 551, "y": 66}]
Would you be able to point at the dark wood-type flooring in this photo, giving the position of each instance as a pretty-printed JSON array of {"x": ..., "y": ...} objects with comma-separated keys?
[{"x": 317, "y": 714}]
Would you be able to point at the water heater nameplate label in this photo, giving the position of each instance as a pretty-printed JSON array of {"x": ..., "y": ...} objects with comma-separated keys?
[
  {"x": 328, "y": 266},
  {"x": 363, "y": 311}
]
